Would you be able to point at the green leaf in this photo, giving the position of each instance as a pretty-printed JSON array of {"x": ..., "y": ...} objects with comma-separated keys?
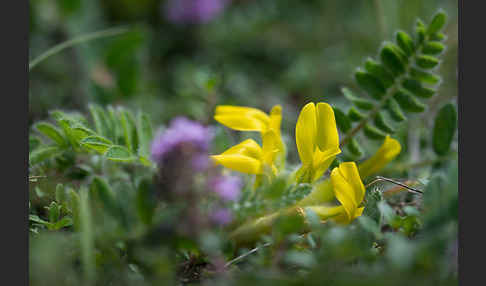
[
  {"x": 392, "y": 59},
  {"x": 34, "y": 142},
  {"x": 115, "y": 124},
  {"x": 79, "y": 132},
  {"x": 65, "y": 125},
  {"x": 144, "y": 134},
  {"x": 96, "y": 143},
  {"x": 61, "y": 196},
  {"x": 382, "y": 124},
  {"x": 354, "y": 114},
  {"x": 373, "y": 133},
  {"x": 361, "y": 103},
  {"x": 43, "y": 153},
  {"x": 424, "y": 77},
  {"x": 54, "y": 212},
  {"x": 101, "y": 189},
  {"x": 342, "y": 120},
  {"x": 433, "y": 48},
  {"x": 394, "y": 110},
  {"x": 132, "y": 123},
  {"x": 145, "y": 201},
  {"x": 416, "y": 88},
  {"x": 372, "y": 198},
  {"x": 420, "y": 31},
  {"x": 354, "y": 148},
  {"x": 129, "y": 130},
  {"x": 370, "y": 84},
  {"x": 64, "y": 222},
  {"x": 276, "y": 190},
  {"x": 51, "y": 132},
  {"x": 405, "y": 42},
  {"x": 37, "y": 219},
  {"x": 120, "y": 154},
  {"x": 427, "y": 62},
  {"x": 437, "y": 37},
  {"x": 444, "y": 129},
  {"x": 100, "y": 121},
  {"x": 378, "y": 71},
  {"x": 408, "y": 102},
  {"x": 437, "y": 23}
]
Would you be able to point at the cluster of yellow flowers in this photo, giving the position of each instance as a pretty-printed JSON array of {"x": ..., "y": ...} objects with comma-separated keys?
[{"x": 317, "y": 142}]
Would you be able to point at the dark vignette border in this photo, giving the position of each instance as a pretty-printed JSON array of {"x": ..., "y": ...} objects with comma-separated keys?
[
  {"x": 14, "y": 23},
  {"x": 471, "y": 80}
]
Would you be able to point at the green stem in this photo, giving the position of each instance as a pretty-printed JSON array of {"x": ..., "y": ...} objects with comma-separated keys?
[{"x": 78, "y": 40}]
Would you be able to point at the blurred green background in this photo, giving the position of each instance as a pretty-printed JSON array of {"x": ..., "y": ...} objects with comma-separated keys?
[{"x": 256, "y": 53}]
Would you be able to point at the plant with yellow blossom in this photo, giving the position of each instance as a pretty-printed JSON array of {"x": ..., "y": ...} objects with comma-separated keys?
[{"x": 338, "y": 197}]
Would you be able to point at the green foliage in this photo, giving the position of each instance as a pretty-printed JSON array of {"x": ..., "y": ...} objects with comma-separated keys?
[
  {"x": 394, "y": 83},
  {"x": 116, "y": 135}
]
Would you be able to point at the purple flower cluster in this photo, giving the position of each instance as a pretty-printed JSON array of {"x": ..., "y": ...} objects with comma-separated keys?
[
  {"x": 227, "y": 187},
  {"x": 183, "y": 132},
  {"x": 194, "y": 11},
  {"x": 181, "y": 151}
]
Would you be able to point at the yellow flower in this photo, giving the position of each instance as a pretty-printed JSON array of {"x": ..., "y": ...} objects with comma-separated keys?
[
  {"x": 348, "y": 189},
  {"x": 243, "y": 118},
  {"x": 317, "y": 140},
  {"x": 248, "y": 157},
  {"x": 248, "y": 118},
  {"x": 386, "y": 153}
]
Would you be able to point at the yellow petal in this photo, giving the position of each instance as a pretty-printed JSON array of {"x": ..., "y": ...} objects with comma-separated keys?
[
  {"x": 242, "y": 118},
  {"x": 275, "y": 122},
  {"x": 327, "y": 133},
  {"x": 344, "y": 192},
  {"x": 239, "y": 163},
  {"x": 351, "y": 174},
  {"x": 305, "y": 133},
  {"x": 322, "y": 161},
  {"x": 247, "y": 148},
  {"x": 270, "y": 147},
  {"x": 359, "y": 212},
  {"x": 386, "y": 153},
  {"x": 244, "y": 157},
  {"x": 276, "y": 119}
]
